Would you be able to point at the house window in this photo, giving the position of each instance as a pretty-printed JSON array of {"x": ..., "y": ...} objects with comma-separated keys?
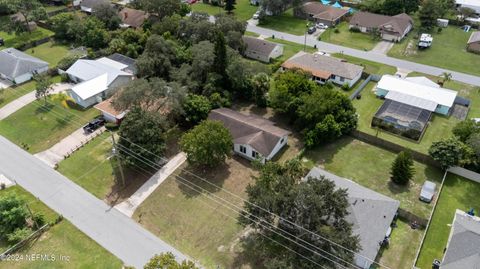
[
  {"x": 341, "y": 79},
  {"x": 281, "y": 141},
  {"x": 243, "y": 149},
  {"x": 254, "y": 154}
]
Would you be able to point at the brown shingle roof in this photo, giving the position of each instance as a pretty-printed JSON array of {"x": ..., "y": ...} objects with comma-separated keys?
[
  {"x": 323, "y": 12},
  {"x": 107, "y": 107},
  {"x": 259, "y": 133},
  {"x": 396, "y": 24},
  {"x": 475, "y": 37},
  {"x": 321, "y": 66},
  {"x": 132, "y": 17},
  {"x": 260, "y": 46}
]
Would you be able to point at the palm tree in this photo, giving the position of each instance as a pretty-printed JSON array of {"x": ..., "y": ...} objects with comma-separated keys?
[
  {"x": 446, "y": 76},
  {"x": 63, "y": 99}
]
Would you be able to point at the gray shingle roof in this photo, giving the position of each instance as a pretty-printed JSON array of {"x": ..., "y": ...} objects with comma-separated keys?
[
  {"x": 371, "y": 213},
  {"x": 474, "y": 37},
  {"x": 260, "y": 46},
  {"x": 463, "y": 248},
  {"x": 315, "y": 62},
  {"x": 396, "y": 24},
  {"x": 14, "y": 63},
  {"x": 259, "y": 133},
  {"x": 93, "y": 3},
  {"x": 324, "y": 12}
]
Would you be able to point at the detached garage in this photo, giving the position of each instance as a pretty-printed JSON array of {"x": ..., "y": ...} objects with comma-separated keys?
[{"x": 18, "y": 67}]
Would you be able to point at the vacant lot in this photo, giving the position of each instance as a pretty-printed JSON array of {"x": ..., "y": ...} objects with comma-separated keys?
[
  {"x": 61, "y": 239},
  {"x": 370, "y": 166},
  {"x": 13, "y": 40},
  {"x": 38, "y": 126},
  {"x": 49, "y": 52},
  {"x": 447, "y": 51},
  {"x": 458, "y": 193},
  {"x": 285, "y": 22},
  {"x": 243, "y": 10},
  {"x": 192, "y": 222},
  {"x": 348, "y": 39},
  {"x": 93, "y": 168}
]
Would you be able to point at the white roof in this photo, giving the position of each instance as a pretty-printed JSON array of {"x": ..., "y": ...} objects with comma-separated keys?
[
  {"x": 423, "y": 80},
  {"x": 112, "y": 63},
  {"x": 439, "y": 96},
  {"x": 411, "y": 100},
  {"x": 468, "y": 2},
  {"x": 89, "y": 69},
  {"x": 91, "y": 87}
]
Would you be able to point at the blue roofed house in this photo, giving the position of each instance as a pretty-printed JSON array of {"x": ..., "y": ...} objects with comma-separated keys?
[
  {"x": 370, "y": 213},
  {"x": 18, "y": 67},
  {"x": 96, "y": 80}
]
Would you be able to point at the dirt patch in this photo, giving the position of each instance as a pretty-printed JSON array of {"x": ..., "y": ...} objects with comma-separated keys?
[
  {"x": 134, "y": 178},
  {"x": 411, "y": 49}
]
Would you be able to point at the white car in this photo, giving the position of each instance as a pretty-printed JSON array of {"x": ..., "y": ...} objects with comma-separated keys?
[
  {"x": 256, "y": 15},
  {"x": 321, "y": 26},
  {"x": 428, "y": 191}
]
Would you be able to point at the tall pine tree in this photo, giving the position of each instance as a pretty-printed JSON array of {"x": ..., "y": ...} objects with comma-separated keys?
[
  {"x": 229, "y": 6},
  {"x": 220, "y": 61},
  {"x": 402, "y": 168}
]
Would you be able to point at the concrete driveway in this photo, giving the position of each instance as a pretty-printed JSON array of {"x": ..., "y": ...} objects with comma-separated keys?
[{"x": 382, "y": 47}]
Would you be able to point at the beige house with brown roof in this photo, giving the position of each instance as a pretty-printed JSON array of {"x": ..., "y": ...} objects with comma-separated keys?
[
  {"x": 473, "y": 44},
  {"x": 132, "y": 18},
  {"x": 254, "y": 138},
  {"x": 317, "y": 12},
  {"x": 109, "y": 112},
  {"x": 325, "y": 68},
  {"x": 391, "y": 28},
  {"x": 261, "y": 50}
]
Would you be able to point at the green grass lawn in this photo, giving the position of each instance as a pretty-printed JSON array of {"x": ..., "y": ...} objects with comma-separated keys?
[
  {"x": 348, "y": 39},
  {"x": 14, "y": 92},
  {"x": 195, "y": 224},
  {"x": 370, "y": 166},
  {"x": 289, "y": 48},
  {"x": 243, "y": 10},
  {"x": 41, "y": 126},
  {"x": 458, "y": 193},
  {"x": 447, "y": 51},
  {"x": 11, "y": 40},
  {"x": 400, "y": 254},
  {"x": 285, "y": 22},
  {"x": 370, "y": 67},
  {"x": 50, "y": 8},
  {"x": 49, "y": 52},
  {"x": 61, "y": 239}
]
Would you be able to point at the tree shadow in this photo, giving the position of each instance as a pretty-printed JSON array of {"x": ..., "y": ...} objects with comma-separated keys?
[
  {"x": 63, "y": 122},
  {"x": 249, "y": 256},
  {"x": 396, "y": 188},
  {"x": 44, "y": 108},
  {"x": 323, "y": 154}
]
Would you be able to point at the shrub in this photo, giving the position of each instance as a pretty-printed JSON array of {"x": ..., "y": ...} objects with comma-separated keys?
[
  {"x": 64, "y": 77},
  {"x": 355, "y": 30},
  {"x": 402, "y": 168},
  {"x": 336, "y": 31},
  {"x": 39, "y": 220},
  {"x": 346, "y": 87},
  {"x": 18, "y": 235},
  {"x": 67, "y": 61},
  {"x": 112, "y": 126},
  {"x": 2, "y": 186}
]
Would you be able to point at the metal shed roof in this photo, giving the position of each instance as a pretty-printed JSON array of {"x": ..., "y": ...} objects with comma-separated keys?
[{"x": 411, "y": 100}]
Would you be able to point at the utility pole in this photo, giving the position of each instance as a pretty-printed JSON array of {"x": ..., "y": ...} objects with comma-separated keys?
[{"x": 119, "y": 161}]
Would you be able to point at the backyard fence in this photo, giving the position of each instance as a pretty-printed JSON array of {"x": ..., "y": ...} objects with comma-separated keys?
[
  {"x": 382, "y": 143},
  {"x": 410, "y": 217},
  {"x": 26, "y": 46},
  {"x": 371, "y": 77},
  {"x": 22, "y": 243},
  {"x": 465, "y": 173}
]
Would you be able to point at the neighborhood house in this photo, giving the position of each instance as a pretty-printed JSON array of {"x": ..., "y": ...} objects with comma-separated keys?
[
  {"x": 132, "y": 18},
  {"x": 109, "y": 112},
  {"x": 473, "y": 44},
  {"x": 18, "y": 67},
  {"x": 472, "y": 4},
  {"x": 97, "y": 79},
  {"x": 88, "y": 6},
  {"x": 370, "y": 213},
  {"x": 254, "y": 138},
  {"x": 390, "y": 28},
  {"x": 320, "y": 13},
  {"x": 463, "y": 246},
  {"x": 325, "y": 68},
  {"x": 261, "y": 50}
]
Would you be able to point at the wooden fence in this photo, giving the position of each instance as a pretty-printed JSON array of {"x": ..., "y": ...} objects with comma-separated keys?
[{"x": 22, "y": 243}]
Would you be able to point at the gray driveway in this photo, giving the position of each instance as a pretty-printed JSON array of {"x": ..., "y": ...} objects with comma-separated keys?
[
  {"x": 108, "y": 227},
  {"x": 367, "y": 55}
]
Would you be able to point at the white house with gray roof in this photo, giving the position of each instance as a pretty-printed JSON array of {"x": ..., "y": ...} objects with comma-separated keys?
[
  {"x": 325, "y": 68},
  {"x": 261, "y": 50},
  {"x": 18, "y": 67},
  {"x": 96, "y": 79},
  {"x": 463, "y": 246},
  {"x": 370, "y": 213}
]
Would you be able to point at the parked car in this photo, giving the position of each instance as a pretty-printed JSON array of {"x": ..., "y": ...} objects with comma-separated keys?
[
  {"x": 311, "y": 30},
  {"x": 93, "y": 125},
  {"x": 256, "y": 16},
  {"x": 2, "y": 43},
  {"x": 428, "y": 191},
  {"x": 321, "y": 25}
]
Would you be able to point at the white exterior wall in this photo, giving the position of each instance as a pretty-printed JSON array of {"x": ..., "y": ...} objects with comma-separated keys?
[
  {"x": 254, "y": 55},
  {"x": 29, "y": 76},
  {"x": 248, "y": 154},
  {"x": 476, "y": 8},
  {"x": 83, "y": 103},
  {"x": 351, "y": 82},
  {"x": 280, "y": 144},
  {"x": 86, "y": 9},
  {"x": 277, "y": 52},
  {"x": 109, "y": 117},
  {"x": 362, "y": 29}
]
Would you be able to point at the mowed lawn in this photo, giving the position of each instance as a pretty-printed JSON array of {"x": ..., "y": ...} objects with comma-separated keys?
[
  {"x": 61, "y": 239},
  {"x": 370, "y": 166},
  {"x": 38, "y": 126},
  {"x": 16, "y": 91},
  {"x": 49, "y": 52},
  {"x": 448, "y": 51},
  {"x": 285, "y": 22},
  {"x": 348, "y": 39},
  {"x": 290, "y": 48},
  {"x": 369, "y": 66},
  {"x": 243, "y": 10},
  {"x": 12, "y": 40},
  {"x": 458, "y": 193},
  {"x": 192, "y": 222}
]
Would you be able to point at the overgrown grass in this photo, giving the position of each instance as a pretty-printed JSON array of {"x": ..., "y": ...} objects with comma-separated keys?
[
  {"x": 458, "y": 193},
  {"x": 348, "y": 39},
  {"x": 243, "y": 10}
]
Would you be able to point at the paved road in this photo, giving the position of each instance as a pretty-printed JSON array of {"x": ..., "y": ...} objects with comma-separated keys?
[
  {"x": 111, "y": 229},
  {"x": 372, "y": 56},
  {"x": 129, "y": 206}
]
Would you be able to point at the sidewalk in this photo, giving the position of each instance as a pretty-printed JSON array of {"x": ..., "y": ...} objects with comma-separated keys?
[
  {"x": 130, "y": 205},
  {"x": 66, "y": 146},
  {"x": 26, "y": 99}
]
